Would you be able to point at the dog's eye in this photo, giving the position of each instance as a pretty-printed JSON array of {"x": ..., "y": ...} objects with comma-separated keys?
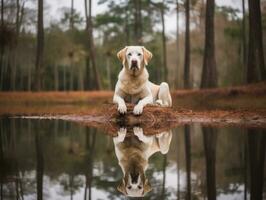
[
  {"x": 139, "y": 187},
  {"x": 129, "y": 54},
  {"x": 129, "y": 187},
  {"x": 139, "y": 54}
]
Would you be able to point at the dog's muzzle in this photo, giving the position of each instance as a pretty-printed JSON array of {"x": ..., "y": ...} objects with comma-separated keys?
[
  {"x": 134, "y": 65},
  {"x": 134, "y": 177}
]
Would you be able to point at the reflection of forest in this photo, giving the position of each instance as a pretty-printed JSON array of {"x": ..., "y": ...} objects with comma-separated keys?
[{"x": 47, "y": 158}]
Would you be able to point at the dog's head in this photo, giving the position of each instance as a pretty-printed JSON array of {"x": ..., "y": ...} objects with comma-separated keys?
[
  {"x": 134, "y": 183},
  {"x": 134, "y": 58}
]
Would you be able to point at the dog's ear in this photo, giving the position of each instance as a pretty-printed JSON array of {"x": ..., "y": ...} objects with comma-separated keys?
[
  {"x": 121, "y": 187},
  {"x": 147, "y": 187},
  {"x": 121, "y": 55},
  {"x": 147, "y": 55}
]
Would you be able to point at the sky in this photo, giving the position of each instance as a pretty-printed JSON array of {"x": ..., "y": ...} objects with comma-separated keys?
[{"x": 170, "y": 18}]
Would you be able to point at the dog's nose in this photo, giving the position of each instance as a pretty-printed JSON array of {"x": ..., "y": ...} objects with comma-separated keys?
[
  {"x": 134, "y": 62},
  {"x": 134, "y": 177}
]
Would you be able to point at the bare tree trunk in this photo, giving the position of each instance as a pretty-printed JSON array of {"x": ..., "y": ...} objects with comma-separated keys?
[
  {"x": 14, "y": 59},
  {"x": 137, "y": 22},
  {"x": 187, "y": 47},
  {"x": 255, "y": 66},
  {"x": 40, "y": 47},
  {"x": 244, "y": 45},
  {"x": 209, "y": 73},
  {"x": 71, "y": 53},
  {"x": 29, "y": 78},
  {"x": 1, "y": 39},
  {"x": 140, "y": 41},
  {"x": 88, "y": 74},
  {"x": 92, "y": 48},
  {"x": 56, "y": 77},
  {"x": 64, "y": 78},
  {"x": 80, "y": 79},
  {"x": 71, "y": 19},
  {"x": 177, "y": 43},
  {"x": 71, "y": 71},
  {"x": 108, "y": 68},
  {"x": 2, "y": 13},
  {"x": 127, "y": 29},
  {"x": 164, "y": 43}
]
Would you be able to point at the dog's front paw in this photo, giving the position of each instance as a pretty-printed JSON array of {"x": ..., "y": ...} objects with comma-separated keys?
[
  {"x": 159, "y": 102},
  {"x": 138, "y": 131},
  {"x": 138, "y": 109},
  {"x": 121, "y": 134},
  {"x": 122, "y": 108}
]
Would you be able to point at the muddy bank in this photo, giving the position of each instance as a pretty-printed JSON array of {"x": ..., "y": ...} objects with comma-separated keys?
[
  {"x": 243, "y": 106},
  {"x": 156, "y": 119}
]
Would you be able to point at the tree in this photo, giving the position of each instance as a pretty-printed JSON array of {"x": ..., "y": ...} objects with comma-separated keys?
[
  {"x": 244, "y": 45},
  {"x": 187, "y": 46},
  {"x": 255, "y": 46},
  {"x": 18, "y": 21},
  {"x": 1, "y": 33},
  {"x": 40, "y": 47},
  {"x": 89, "y": 28},
  {"x": 162, "y": 8},
  {"x": 209, "y": 73},
  {"x": 71, "y": 53},
  {"x": 137, "y": 22},
  {"x": 177, "y": 40},
  {"x": 71, "y": 18}
]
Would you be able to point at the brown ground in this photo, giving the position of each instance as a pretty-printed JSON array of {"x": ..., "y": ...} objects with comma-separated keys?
[{"x": 240, "y": 106}]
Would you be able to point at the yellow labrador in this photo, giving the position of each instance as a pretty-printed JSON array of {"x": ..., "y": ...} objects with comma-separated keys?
[
  {"x": 133, "y": 154},
  {"x": 133, "y": 82}
]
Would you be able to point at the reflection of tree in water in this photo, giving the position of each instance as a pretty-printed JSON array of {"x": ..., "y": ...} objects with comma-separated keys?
[
  {"x": 1, "y": 159},
  {"x": 39, "y": 162},
  {"x": 9, "y": 165},
  {"x": 24, "y": 141},
  {"x": 188, "y": 160},
  {"x": 90, "y": 148},
  {"x": 256, "y": 150},
  {"x": 178, "y": 169},
  {"x": 72, "y": 181},
  {"x": 209, "y": 142}
]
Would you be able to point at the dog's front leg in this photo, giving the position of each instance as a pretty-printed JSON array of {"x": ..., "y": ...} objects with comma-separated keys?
[
  {"x": 122, "y": 108},
  {"x": 121, "y": 134},
  {"x": 138, "y": 109}
]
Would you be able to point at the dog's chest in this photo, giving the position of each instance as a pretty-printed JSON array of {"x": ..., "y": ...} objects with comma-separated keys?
[{"x": 132, "y": 87}]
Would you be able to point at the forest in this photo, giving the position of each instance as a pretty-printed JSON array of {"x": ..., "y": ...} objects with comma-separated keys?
[{"x": 212, "y": 46}]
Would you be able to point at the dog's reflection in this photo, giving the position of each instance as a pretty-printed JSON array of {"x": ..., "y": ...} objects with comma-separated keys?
[{"x": 133, "y": 152}]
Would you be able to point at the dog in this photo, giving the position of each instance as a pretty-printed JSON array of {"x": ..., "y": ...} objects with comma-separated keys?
[
  {"x": 133, "y": 85},
  {"x": 133, "y": 154}
]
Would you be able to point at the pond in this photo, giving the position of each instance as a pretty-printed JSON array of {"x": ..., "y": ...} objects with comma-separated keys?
[{"x": 56, "y": 159}]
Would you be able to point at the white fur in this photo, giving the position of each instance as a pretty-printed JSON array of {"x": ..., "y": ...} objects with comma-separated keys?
[
  {"x": 147, "y": 146},
  {"x": 134, "y": 83}
]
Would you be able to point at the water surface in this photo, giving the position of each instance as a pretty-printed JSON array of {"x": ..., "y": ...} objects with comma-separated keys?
[{"x": 53, "y": 159}]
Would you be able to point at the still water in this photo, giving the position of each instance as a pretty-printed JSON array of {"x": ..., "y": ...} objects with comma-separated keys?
[{"x": 53, "y": 159}]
